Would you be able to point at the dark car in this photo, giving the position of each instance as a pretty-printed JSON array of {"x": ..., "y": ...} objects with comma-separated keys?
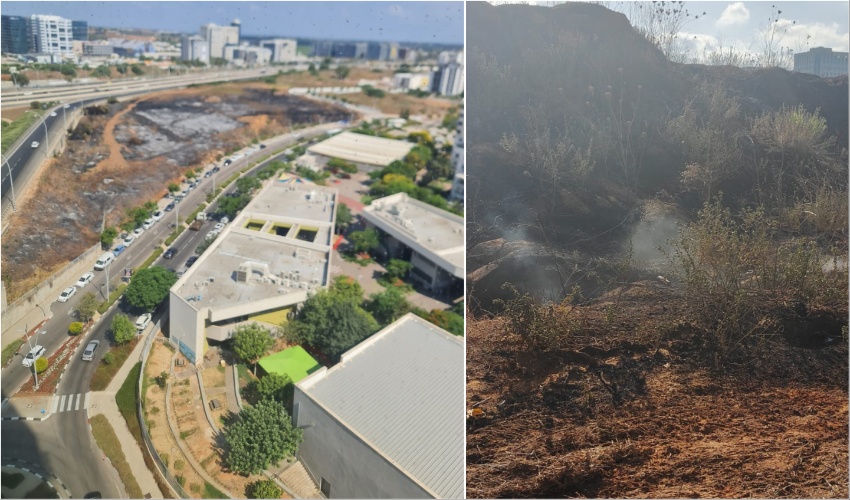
[
  {"x": 170, "y": 253},
  {"x": 93, "y": 494},
  {"x": 191, "y": 260},
  {"x": 208, "y": 174},
  {"x": 169, "y": 207},
  {"x": 262, "y": 146},
  {"x": 216, "y": 169},
  {"x": 227, "y": 162}
]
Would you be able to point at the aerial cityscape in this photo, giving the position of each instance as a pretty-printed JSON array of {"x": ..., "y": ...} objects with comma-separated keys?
[{"x": 233, "y": 250}]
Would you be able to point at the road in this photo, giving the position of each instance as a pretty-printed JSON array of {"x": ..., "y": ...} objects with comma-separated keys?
[{"x": 63, "y": 444}]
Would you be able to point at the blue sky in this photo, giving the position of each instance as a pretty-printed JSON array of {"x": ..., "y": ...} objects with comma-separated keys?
[{"x": 431, "y": 22}]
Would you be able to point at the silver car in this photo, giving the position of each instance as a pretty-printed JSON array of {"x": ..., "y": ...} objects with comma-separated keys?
[{"x": 88, "y": 353}]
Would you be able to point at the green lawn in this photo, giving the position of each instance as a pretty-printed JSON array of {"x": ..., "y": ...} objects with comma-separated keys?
[
  {"x": 112, "y": 298},
  {"x": 10, "y": 351},
  {"x": 16, "y": 129},
  {"x": 108, "y": 442},
  {"x": 104, "y": 373},
  {"x": 211, "y": 491}
]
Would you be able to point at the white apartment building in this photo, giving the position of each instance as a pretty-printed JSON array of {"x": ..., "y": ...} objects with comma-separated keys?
[
  {"x": 449, "y": 74},
  {"x": 282, "y": 49},
  {"x": 457, "y": 161},
  {"x": 821, "y": 61},
  {"x": 195, "y": 48},
  {"x": 52, "y": 35},
  {"x": 218, "y": 37}
]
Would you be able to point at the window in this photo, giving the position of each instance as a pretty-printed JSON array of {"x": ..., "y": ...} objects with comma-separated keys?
[{"x": 326, "y": 488}]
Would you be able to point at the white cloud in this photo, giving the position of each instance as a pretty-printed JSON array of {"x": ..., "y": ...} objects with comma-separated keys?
[
  {"x": 801, "y": 37},
  {"x": 734, "y": 13},
  {"x": 698, "y": 43}
]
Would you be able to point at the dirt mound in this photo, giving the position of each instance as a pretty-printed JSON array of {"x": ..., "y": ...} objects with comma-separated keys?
[{"x": 632, "y": 406}]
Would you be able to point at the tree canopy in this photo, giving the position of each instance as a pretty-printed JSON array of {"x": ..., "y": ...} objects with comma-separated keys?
[
  {"x": 251, "y": 342},
  {"x": 364, "y": 241},
  {"x": 123, "y": 330},
  {"x": 149, "y": 287},
  {"x": 343, "y": 217},
  {"x": 274, "y": 386},
  {"x": 87, "y": 307},
  {"x": 388, "y": 305},
  {"x": 262, "y": 436},
  {"x": 263, "y": 489}
]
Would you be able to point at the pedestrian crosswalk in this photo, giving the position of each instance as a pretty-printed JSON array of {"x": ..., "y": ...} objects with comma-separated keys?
[{"x": 70, "y": 402}]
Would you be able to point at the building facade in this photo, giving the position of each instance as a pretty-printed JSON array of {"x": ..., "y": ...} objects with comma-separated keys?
[
  {"x": 449, "y": 74},
  {"x": 218, "y": 37},
  {"x": 51, "y": 35},
  {"x": 458, "y": 162},
  {"x": 195, "y": 48},
  {"x": 80, "y": 30},
  {"x": 15, "y": 35},
  {"x": 282, "y": 49},
  {"x": 387, "y": 420},
  {"x": 821, "y": 61}
]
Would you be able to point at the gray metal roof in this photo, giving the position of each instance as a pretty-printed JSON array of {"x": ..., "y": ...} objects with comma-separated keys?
[{"x": 402, "y": 390}]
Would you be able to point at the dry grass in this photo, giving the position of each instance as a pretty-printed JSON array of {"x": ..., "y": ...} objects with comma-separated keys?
[
  {"x": 107, "y": 440},
  {"x": 394, "y": 103},
  {"x": 12, "y": 114}
]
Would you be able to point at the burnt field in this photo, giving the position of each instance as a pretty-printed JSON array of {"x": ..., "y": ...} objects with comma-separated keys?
[{"x": 124, "y": 154}]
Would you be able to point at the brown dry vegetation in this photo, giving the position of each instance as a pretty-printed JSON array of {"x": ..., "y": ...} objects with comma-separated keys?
[{"x": 130, "y": 156}]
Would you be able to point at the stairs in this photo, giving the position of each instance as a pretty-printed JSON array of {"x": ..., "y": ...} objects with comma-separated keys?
[{"x": 296, "y": 477}]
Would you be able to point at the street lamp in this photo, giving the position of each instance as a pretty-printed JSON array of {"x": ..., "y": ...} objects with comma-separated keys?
[
  {"x": 11, "y": 181},
  {"x": 46, "y": 137},
  {"x": 29, "y": 342}
]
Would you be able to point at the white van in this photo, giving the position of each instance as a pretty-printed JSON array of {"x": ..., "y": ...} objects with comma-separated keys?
[{"x": 104, "y": 261}]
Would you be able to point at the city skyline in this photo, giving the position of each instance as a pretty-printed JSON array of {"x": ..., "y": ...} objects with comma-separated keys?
[{"x": 413, "y": 22}]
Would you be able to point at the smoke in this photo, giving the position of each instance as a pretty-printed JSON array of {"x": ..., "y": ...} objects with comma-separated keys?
[{"x": 650, "y": 240}]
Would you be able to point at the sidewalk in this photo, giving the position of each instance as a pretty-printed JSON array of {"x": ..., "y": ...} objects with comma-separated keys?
[
  {"x": 31, "y": 480},
  {"x": 103, "y": 402}
]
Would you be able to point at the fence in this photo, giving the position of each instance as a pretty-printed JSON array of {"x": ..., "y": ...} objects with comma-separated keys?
[
  {"x": 22, "y": 306},
  {"x": 140, "y": 414}
]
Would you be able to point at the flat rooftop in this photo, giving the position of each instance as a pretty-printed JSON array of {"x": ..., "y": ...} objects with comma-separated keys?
[
  {"x": 361, "y": 148},
  {"x": 278, "y": 245},
  {"x": 402, "y": 391},
  {"x": 434, "y": 233}
]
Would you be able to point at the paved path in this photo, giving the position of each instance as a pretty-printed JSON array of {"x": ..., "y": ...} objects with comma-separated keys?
[{"x": 103, "y": 402}]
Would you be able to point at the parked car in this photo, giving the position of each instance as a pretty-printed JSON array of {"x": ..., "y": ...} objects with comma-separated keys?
[
  {"x": 34, "y": 144},
  {"x": 148, "y": 223},
  {"x": 85, "y": 279},
  {"x": 191, "y": 260},
  {"x": 227, "y": 162},
  {"x": 129, "y": 240},
  {"x": 157, "y": 216},
  {"x": 142, "y": 322},
  {"x": 138, "y": 231},
  {"x": 218, "y": 227},
  {"x": 262, "y": 146},
  {"x": 169, "y": 207},
  {"x": 208, "y": 174},
  {"x": 170, "y": 253},
  {"x": 119, "y": 250},
  {"x": 88, "y": 353},
  {"x": 216, "y": 169},
  {"x": 67, "y": 294},
  {"x": 35, "y": 353},
  {"x": 197, "y": 225},
  {"x": 53, "y": 113},
  {"x": 225, "y": 219},
  {"x": 178, "y": 198}
]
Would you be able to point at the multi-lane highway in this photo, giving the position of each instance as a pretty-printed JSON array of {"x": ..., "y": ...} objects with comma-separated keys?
[{"x": 63, "y": 444}]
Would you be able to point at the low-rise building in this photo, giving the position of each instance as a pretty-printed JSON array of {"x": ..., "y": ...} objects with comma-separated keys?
[
  {"x": 429, "y": 238},
  {"x": 388, "y": 420},
  {"x": 270, "y": 258},
  {"x": 458, "y": 162},
  {"x": 367, "y": 152},
  {"x": 821, "y": 61}
]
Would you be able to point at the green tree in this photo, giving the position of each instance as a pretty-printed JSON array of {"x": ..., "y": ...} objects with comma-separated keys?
[
  {"x": 262, "y": 436},
  {"x": 343, "y": 218},
  {"x": 342, "y": 71},
  {"x": 173, "y": 187},
  {"x": 398, "y": 269},
  {"x": 348, "y": 288},
  {"x": 87, "y": 307},
  {"x": 137, "y": 70},
  {"x": 340, "y": 164},
  {"x": 108, "y": 236},
  {"x": 123, "y": 330},
  {"x": 251, "y": 342},
  {"x": 149, "y": 287},
  {"x": 331, "y": 322},
  {"x": 21, "y": 79},
  {"x": 364, "y": 241},
  {"x": 230, "y": 205},
  {"x": 405, "y": 113},
  {"x": 246, "y": 185},
  {"x": 447, "y": 320},
  {"x": 263, "y": 489},
  {"x": 102, "y": 71},
  {"x": 388, "y": 305},
  {"x": 326, "y": 64},
  {"x": 274, "y": 386}
]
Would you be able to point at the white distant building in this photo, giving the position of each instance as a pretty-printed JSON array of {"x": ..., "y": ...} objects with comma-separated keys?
[
  {"x": 447, "y": 78},
  {"x": 275, "y": 253},
  {"x": 388, "y": 420},
  {"x": 52, "y": 35},
  {"x": 218, "y": 37},
  {"x": 429, "y": 238},
  {"x": 282, "y": 49},
  {"x": 821, "y": 61},
  {"x": 412, "y": 81},
  {"x": 458, "y": 162},
  {"x": 195, "y": 48},
  {"x": 367, "y": 152}
]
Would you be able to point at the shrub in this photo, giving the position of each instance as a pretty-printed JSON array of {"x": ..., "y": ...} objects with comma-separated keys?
[
  {"x": 263, "y": 489},
  {"x": 107, "y": 358},
  {"x": 112, "y": 100},
  {"x": 180, "y": 479},
  {"x": 179, "y": 464},
  {"x": 41, "y": 365},
  {"x": 75, "y": 328},
  {"x": 161, "y": 379}
]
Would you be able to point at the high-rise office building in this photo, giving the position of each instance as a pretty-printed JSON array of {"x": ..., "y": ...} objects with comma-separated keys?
[
  {"x": 80, "y": 30},
  {"x": 282, "y": 49},
  {"x": 219, "y": 36},
  {"x": 51, "y": 35},
  {"x": 15, "y": 32},
  {"x": 195, "y": 48}
]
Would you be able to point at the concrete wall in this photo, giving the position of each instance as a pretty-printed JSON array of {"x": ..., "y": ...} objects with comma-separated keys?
[
  {"x": 47, "y": 291},
  {"x": 186, "y": 328},
  {"x": 333, "y": 452}
]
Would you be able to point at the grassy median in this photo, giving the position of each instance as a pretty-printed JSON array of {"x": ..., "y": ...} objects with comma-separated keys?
[
  {"x": 104, "y": 373},
  {"x": 108, "y": 442}
]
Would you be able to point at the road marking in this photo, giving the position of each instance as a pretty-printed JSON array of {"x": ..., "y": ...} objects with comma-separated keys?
[
  {"x": 77, "y": 406},
  {"x": 87, "y": 399},
  {"x": 5, "y": 402},
  {"x": 70, "y": 402},
  {"x": 62, "y": 404},
  {"x": 55, "y": 404}
]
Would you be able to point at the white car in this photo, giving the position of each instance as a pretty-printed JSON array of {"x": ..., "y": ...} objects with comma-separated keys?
[
  {"x": 85, "y": 279},
  {"x": 225, "y": 219},
  {"x": 129, "y": 240},
  {"x": 212, "y": 234},
  {"x": 148, "y": 224},
  {"x": 218, "y": 227},
  {"x": 88, "y": 354},
  {"x": 157, "y": 216},
  {"x": 67, "y": 294},
  {"x": 36, "y": 352},
  {"x": 138, "y": 231},
  {"x": 34, "y": 144},
  {"x": 66, "y": 106},
  {"x": 53, "y": 113},
  {"x": 142, "y": 322}
]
